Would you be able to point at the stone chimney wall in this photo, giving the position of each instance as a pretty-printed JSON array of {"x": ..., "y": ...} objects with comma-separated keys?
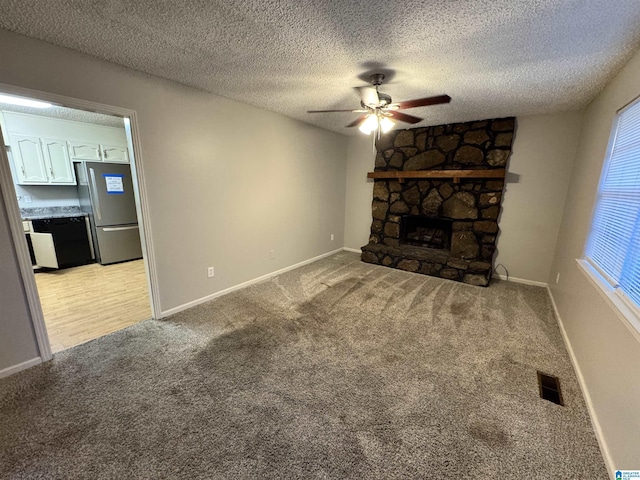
[{"x": 473, "y": 205}]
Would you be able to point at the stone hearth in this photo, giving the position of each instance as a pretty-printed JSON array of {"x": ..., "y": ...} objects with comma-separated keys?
[{"x": 471, "y": 207}]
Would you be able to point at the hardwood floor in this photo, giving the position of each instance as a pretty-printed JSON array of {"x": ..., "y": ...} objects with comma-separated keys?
[{"x": 83, "y": 303}]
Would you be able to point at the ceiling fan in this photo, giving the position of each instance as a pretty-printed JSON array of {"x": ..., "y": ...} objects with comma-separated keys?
[{"x": 379, "y": 112}]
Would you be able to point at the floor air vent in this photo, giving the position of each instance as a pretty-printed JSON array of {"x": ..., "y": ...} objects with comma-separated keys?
[{"x": 550, "y": 388}]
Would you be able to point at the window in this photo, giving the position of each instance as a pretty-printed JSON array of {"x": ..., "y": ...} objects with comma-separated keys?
[{"x": 613, "y": 247}]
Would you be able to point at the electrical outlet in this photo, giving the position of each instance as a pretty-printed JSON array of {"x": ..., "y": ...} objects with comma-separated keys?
[
  {"x": 558, "y": 277},
  {"x": 210, "y": 272},
  {"x": 272, "y": 254},
  {"x": 333, "y": 237},
  {"x": 27, "y": 198}
]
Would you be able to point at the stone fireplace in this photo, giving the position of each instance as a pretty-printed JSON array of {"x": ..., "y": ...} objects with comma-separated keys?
[{"x": 437, "y": 197}]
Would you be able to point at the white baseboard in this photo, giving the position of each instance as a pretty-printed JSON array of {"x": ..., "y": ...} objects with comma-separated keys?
[
  {"x": 354, "y": 250},
  {"x": 193, "y": 303},
  {"x": 524, "y": 281},
  {"x": 604, "y": 449},
  {"x": 19, "y": 367}
]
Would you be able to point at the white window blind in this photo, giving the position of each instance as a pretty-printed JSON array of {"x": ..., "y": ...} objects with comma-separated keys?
[{"x": 614, "y": 241}]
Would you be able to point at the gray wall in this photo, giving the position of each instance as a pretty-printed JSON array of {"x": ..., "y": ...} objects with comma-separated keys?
[
  {"x": 544, "y": 151},
  {"x": 226, "y": 182},
  {"x": 607, "y": 352},
  {"x": 357, "y": 219}
]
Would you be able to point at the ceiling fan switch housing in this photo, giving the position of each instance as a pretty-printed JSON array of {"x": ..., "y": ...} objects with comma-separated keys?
[{"x": 384, "y": 99}]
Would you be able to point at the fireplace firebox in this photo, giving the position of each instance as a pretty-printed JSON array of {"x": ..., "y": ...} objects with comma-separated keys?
[{"x": 422, "y": 231}]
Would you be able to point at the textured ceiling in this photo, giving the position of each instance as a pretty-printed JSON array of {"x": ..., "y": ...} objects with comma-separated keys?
[
  {"x": 493, "y": 57},
  {"x": 67, "y": 114}
]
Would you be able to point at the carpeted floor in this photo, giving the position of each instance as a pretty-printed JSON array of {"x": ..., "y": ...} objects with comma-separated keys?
[{"x": 338, "y": 369}]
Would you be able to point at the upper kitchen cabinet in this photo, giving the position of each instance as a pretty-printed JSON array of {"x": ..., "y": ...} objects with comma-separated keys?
[
  {"x": 79, "y": 151},
  {"x": 94, "y": 152},
  {"x": 28, "y": 160},
  {"x": 41, "y": 161},
  {"x": 56, "y": 157},
  {"x": 113, "y": 153},
  {"x": 63, "y": 139}
]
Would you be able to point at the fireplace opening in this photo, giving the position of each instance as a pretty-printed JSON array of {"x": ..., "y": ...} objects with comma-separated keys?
[{"x": 424, "y": 231}]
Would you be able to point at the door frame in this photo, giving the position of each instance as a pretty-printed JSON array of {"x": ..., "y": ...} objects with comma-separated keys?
[{"x": 15, "y": 220}]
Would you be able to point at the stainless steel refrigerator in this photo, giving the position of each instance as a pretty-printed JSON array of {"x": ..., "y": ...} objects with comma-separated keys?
[{"x": 106, "y": 194}]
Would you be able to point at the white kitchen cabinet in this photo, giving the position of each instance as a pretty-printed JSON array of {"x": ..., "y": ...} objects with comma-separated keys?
[
  {"x": 94, "y": 152},
  {"x": 79, "y": 151},
  {"x": 41, "y": 161},
  {"x": 114, "y": 153},
  {"x": 28, "y": 160},
  {"x": 56, "y": 156}
]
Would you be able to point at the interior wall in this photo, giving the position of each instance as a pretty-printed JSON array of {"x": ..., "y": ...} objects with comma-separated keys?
[
  {"x": 47, "y": 196},
  {"x": 17, "y": 338},
  {"x": 607, "y": 353},
  {"x": 359, "y": 191},
  {"x": 226, "y": 182},
  {"x": 539, "y": 169},
  {"x": 539, "y": 173}
]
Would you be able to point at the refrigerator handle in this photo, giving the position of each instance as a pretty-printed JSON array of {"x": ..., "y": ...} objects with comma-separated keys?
[
  {"x": 96, "y": 199},
  {"x": 118, "y": 229}
]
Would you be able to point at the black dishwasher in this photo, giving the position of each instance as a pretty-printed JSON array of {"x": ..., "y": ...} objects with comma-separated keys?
[{"x": 70, "y": 239}]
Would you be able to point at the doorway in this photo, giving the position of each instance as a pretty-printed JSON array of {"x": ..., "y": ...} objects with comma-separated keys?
[{"x": 74, "y": 191}]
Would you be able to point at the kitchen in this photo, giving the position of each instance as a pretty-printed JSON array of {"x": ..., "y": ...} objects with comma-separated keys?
[{"x": 75, "y": 190}]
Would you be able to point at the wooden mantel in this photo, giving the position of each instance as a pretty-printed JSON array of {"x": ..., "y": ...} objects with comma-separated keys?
[{"x": 402, "y": 175}]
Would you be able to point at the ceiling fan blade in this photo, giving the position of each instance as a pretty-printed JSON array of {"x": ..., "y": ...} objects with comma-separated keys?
[
  {"x": 403, "y": 117},
  {"x": 358, "y": 121},
  {"x": 329, "y": 111},
  {"x": 369, "y": 96},
  {"x": 424, "y": 102}
]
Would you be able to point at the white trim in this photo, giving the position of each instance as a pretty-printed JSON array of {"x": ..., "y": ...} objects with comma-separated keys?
[
  {"x": 3, "y": 127},
  {"x": 524, "y": 281},
  {"x": 19, "y": 367},
  {"x": 354, "y": 250},
  {"x": 624, "y": 312},
  {"x": 13, "y": 212},
  {"x": 24, "y": 259},
  {"x": 142, "y": 208},
  {"x": 604, "y": 449},
  {"x": 242, "y": 285}
]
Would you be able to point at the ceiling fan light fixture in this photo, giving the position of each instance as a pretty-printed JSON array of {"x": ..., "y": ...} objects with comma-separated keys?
[
  {"x": 386, "y": 124},
  {"x": 369, "y": 125}
]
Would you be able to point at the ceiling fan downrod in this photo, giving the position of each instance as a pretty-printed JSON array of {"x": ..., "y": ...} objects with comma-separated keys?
[{"x": 376, "y": 79}]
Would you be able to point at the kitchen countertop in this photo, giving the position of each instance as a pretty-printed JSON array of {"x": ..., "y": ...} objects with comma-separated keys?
[{"x": 41, "y": 213}]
